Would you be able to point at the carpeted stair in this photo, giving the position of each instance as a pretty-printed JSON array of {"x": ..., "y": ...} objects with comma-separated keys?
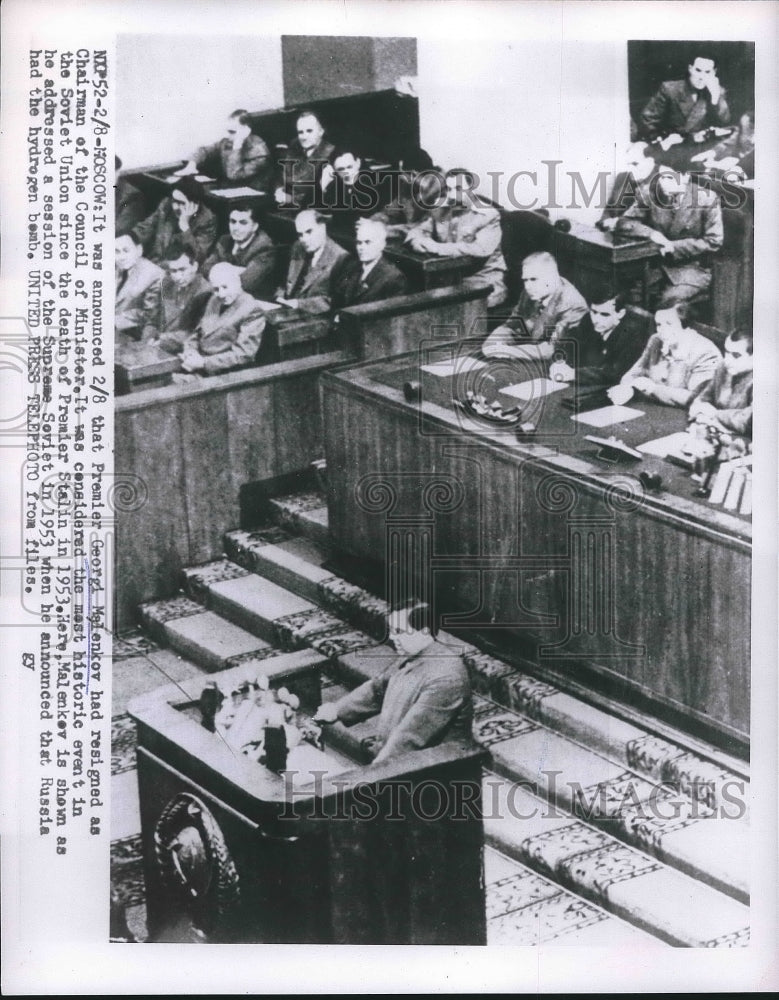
[{"x": 597, "y": 830}]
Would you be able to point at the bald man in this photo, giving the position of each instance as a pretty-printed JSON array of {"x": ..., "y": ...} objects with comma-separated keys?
[
  {"x": 370, "y": 277},
  {"x": 548, "y": 308},
  {"x": 229, "y": 334}
]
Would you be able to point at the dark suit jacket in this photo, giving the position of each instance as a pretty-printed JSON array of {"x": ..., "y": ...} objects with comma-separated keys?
[
  {"x": 314, "y": 295},
  {"x": 677, "y": 107},
  {"x": 299, "y": 174},
  {"x": 603, "y": 363},
  {"x": 161, "y": 229},
  {"x": 129, "y": 205},
  {"x": 349, "y": 204},
  {"x": 258, "y": 257},
  {"x": 348, "y": 289}
]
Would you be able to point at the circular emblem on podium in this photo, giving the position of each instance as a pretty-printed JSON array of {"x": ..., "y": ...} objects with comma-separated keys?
[{"x": 196, "y": 869}]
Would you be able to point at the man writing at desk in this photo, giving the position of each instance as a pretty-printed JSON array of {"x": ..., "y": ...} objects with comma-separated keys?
[
  {"x": 608, "y": 341},
  {"x": 419, "y": 700},
  {"x": 676, "y": 363},
  {"x": 465, "y": 226},
  {"x": 548, "y": 308},
  {"x": 240, "y": 157}
]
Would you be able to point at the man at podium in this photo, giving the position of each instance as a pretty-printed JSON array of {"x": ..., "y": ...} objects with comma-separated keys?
[{"x": 418, "y": 701}]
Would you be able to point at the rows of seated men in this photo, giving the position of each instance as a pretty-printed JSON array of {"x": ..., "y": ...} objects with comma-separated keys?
[
  {"x": 435, "y": 213},
  {"x": 209, "y": 303},
  {"x": 609, "y": 348}
]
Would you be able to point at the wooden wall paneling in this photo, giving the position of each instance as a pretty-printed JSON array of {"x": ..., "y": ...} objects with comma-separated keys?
[
  {"x": 297, "y": 423},
  {"x": 152, "y": 542},
  {"x": 212, "y": 504},
  {"x": 251, "y": 441}
]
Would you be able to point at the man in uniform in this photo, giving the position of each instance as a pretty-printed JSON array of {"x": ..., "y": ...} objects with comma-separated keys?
[
  {"x": 685, "y": 221},
  {"x": 682, "y": 108},
  {"x": 465, "y": 225},
  {"x": 676, "y": 363}
]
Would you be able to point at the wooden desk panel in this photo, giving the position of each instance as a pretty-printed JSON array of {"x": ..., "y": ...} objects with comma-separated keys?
[
  {"x": 309, "y": 867},
  {"x": 187, "y": 450},
  {"x": 515, "y": 524},
  {"x": 587, "y": 256},
  {"x": 140, "y": 366},
  {"x": 405, "y": 322}
]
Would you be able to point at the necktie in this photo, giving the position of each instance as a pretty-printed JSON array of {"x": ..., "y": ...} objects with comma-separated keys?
[
  {"x": 122, "y": 281},
  {"x": 302, "y": 275}
]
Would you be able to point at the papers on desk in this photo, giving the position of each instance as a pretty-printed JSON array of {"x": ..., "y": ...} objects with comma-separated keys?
[
  {"x": 175, "y": 178},
  {"x": 237, "y": 192},
  {"x": 732, "y": 487},
  {"x": 664, "y": 446},
  {"x": 534, "y": 388},
  {"x": 453, "y": 366},
  {"x": 607, "y": 415}
]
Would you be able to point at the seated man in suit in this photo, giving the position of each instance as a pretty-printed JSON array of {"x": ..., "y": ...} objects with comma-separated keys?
[
  {"x": 135, "y": 277},
  {"x": 419, "y": 700},
  {"x": 725, "y": 403},
  {"x": 349, "y": 192},
  {"x": 238, "y": 158},
  {"x": 176, "y": 303},
  {"x": 685, "y": 221},
  {"x": 312, "y": 259},
  {"x": 682, "y": 108},
  {"x": 465, "y": 225},
  {"x": 370, "y": 277},
  {"x": 299, "y": 181},
  {"x": 676, "y": 362},
  {"x": 605, "y": 343},
  {"x": 183, "y": 219},
  {"x": 229, "y": 334},
  {"x": 248, "y": 247},
  {"x": 129, "y": 203},
  {"x": 548, "y": 308}
]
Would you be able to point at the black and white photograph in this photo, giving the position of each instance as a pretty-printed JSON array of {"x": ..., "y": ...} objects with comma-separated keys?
[{"x": 386, "y": 575}]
